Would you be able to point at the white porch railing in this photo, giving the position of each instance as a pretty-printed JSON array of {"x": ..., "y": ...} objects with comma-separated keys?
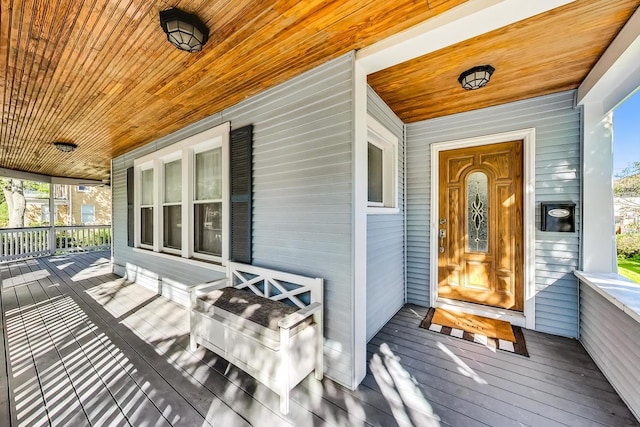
[
  {"x": 24, "y": 242},
  {"x": 16, "y": 243}
]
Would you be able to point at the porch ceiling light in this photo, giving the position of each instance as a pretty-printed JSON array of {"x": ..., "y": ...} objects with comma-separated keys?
[
  {"x": 184, "y": 30},
  {"x": 65, "y": 147},
  {"x": 476, "y": 77}
]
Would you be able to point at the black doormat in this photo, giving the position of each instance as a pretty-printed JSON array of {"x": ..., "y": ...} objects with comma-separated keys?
[{"x": 517, "y": 347}]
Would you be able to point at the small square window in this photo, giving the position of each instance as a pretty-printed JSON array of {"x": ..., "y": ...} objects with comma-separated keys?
[
  {"x": 382, "y": 166},
  {"x": 375, "y": 176}
]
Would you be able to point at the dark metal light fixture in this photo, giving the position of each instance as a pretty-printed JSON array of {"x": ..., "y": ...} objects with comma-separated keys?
[
  {"x": 184, "y": 30},
  {"x": 65, "y": 147},
  {"x": 476, "y": 77}
]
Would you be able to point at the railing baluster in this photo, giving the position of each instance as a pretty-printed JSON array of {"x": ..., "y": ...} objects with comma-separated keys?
[{"x": 34, "y": 241}]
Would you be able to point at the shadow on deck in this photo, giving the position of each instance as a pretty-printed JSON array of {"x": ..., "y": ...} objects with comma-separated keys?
[{"x": 85, "y": 347}]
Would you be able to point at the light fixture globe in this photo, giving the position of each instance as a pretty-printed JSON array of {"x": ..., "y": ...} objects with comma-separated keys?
[
  {"x": 65, "y": 147},
  {"x": 184, "y": 30},
  {"x": 476, "y": 77}
]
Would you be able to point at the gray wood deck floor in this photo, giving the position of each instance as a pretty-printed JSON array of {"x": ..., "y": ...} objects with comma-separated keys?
[{"x": 83, "y": 347}]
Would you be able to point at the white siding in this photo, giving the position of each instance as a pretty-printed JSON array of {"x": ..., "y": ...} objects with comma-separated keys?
[
  {"x": 558, "y": 137},
  {"x": 612, "y": 339},
  {"x": 385, "y": 237},
  {"x": 302, "y": 184}
]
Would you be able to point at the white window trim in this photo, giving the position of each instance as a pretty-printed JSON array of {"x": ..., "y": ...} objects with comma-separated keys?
[
  {"x": 185, "y": 150},
  {"x": 382, "y": 138}
]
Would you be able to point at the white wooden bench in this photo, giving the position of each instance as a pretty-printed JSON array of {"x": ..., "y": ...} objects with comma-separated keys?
[{"x": 265, "y": 322}]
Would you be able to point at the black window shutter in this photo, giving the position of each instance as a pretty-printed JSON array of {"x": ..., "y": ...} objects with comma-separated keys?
[
  {"x": 130, "y": 227},
  {"x": 241, "y": 193}
]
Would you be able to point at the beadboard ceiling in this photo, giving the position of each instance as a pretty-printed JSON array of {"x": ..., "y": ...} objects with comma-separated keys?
[{"x": 102, "y": 75}]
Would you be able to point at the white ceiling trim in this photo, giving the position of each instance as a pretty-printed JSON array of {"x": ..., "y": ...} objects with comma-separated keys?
[
  {"x": 30, "y": 176},
  {"x": 470, "y": 19},
  {"x": 616, "y": 75}
]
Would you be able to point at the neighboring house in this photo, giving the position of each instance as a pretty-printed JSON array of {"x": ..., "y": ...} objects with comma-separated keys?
[
  {"x": 74, "y": 205},
  {"x": 627, "y": 213}
]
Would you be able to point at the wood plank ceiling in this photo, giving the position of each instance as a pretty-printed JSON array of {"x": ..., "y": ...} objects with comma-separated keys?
[
  {"x": 101, "y": 74},
  {"x": 544, "y": 54}
]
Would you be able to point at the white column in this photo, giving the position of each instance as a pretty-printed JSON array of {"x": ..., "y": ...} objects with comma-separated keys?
[
  {"x": 52, "y": 219},
  {"x": 359, "y": 294},
  {"x": 598, "y": 224}
]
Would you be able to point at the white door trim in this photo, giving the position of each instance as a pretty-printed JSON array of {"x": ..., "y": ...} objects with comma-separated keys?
[{"x": 527, "y": 319}]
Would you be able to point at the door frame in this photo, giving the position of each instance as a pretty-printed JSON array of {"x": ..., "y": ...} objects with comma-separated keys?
[{"x": 527, "y": 317}]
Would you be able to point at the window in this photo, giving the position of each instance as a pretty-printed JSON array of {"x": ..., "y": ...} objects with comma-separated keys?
[
  {"x": 382, "y": 159},
  {"x": 189, "y": 217},
  {"x": 146, "y": 207},
  {"x": 84, "y": 189},
  {"x": 375, "y": 175},
  {"x": 88, "y": 213},
  {"x": 172, "y": 205},
  {"x": 207, "y": 203}
]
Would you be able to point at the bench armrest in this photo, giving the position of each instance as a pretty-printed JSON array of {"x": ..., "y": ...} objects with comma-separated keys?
[
  {"x": 209, "y": 286},
  {"x": 294, "y": 318}
]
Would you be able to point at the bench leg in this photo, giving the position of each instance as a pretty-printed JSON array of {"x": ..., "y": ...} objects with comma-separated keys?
[
  {"x": 193, "y": 345},
  {"x": 284, "y": 401}
]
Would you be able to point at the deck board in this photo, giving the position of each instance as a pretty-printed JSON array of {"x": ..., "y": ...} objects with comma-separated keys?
[{"x": 85, "y": 347}]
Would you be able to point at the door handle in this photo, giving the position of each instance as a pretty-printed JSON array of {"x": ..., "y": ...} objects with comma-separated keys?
[{"x": 442, "y": 233}]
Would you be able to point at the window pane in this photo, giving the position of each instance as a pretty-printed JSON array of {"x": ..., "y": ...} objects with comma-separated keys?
[
  {"x": 173, "y": 181},
  {"x": 88, "y": 213},
  {"x": 375, "y": 174},
  {"x": 173, "y": 227},
  {"x": 208, "y": 228},
  {"x": 209, "y": 175},
  {"x": 477, "y": 212},
  {"x": 147, "y": 187},
  {"x": 146, "y": 226}
]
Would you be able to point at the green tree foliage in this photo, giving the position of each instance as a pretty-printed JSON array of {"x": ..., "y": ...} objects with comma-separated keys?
[
  {"x": 628, "y": 182},
  {"x": 12, "y": 199}
]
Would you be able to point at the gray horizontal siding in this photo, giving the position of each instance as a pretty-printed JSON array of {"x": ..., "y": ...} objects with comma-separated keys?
[
  {"x": 612, "y": 339},
  {"x": 557, "y": 163},
  {"x": 302, "y": 182},
  {"x": 385, "y": 237}
]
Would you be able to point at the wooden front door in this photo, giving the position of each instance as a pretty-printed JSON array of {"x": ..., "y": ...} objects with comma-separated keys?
[{"x": 480, "y": 225}]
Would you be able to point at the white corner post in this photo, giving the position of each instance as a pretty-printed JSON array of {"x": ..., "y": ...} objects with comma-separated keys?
[
  {"x": 52, "y": 219},
  {"x": 615, "y": 76},
  {"x": 598, "y": 226},
  {"x": 359, "y": 293}
]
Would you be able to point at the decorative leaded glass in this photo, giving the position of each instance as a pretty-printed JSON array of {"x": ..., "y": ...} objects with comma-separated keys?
[{"x": 477, "y": 212}]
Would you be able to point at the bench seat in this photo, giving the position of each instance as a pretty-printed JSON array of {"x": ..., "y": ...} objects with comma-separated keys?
[{"x": 247, "y": 312}]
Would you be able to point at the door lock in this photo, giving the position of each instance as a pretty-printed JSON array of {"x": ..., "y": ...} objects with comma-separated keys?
[{"x": 443, "y": 233}]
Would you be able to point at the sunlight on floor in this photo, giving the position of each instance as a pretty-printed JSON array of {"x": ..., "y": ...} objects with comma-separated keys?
[
  {"x": 65, "y": 370},
  {"x": 24, "y": 278},
  {"x": 463, "y": 368},
  {"x": 401, "y": 390}
]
